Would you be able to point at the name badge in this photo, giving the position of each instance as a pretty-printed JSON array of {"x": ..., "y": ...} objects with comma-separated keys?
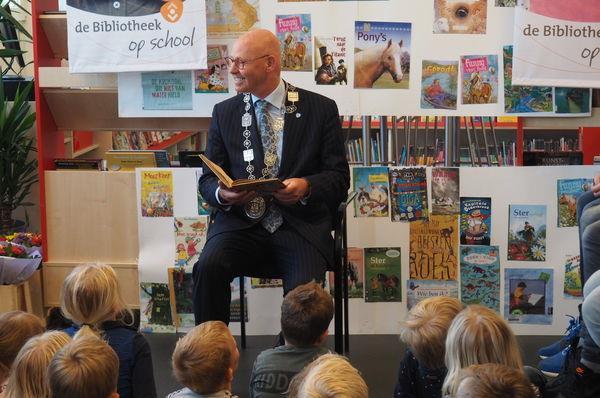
[
  {"x": 292, "y": 96},
  {"x": 248, "y": 155}
]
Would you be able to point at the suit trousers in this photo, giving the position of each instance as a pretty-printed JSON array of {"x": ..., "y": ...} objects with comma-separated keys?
[{"x": 251, "y": 252}]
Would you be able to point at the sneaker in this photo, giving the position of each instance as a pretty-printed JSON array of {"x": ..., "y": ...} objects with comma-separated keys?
[
  {"x": 556, "y": 347},
  {"x": 580, "y": 382},
  {"x": 552, "y": 366},
  {"x": 563, "y": 385}
]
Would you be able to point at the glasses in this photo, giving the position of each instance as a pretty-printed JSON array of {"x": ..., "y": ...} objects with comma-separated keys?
[{"x": 241, "y": 63}]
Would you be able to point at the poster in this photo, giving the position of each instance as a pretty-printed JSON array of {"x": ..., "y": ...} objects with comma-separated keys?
[
  {"x": 408, "y": 189},
  {"x": 382, "y": 54},
  {"x": 573, "y": 289},
  {"x": 439, "y": 84},
  {"x": 480, "y": 276},
  {"x": 215, "y": 79},
  {"x": 167, "y": 90},
  {"x": 528, "y": 295},
  {"x": 420, "y": 289},
  {"x": 382, "y": 274},
  {"x": 372, "y": 199},
  {"x": 295, "y": 38},
  {"x": 479, "y": 79},
  {"x": 445, "y": 184},
  {"x": 460, "y": 16},
  {"x": 331, "y": 56},
  {"x": 568, "y": 190},
  {"x": 115, "y": 36},
  {"x": 155, "y": 308},
  {"x": 157, "y": 193},
  {"x": 190, "y": 237},
  {"x": 434, "y": 248},
  {"x": 231, "y": 18},
  {"x": 527, "y": 232},
  {"x": 475, "y": 221}
]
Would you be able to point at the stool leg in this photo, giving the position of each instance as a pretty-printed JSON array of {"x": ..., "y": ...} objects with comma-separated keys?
[{"x": 242, "y": 314}]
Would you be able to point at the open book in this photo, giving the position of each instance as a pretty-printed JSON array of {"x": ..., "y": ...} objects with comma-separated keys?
[{"x": 266, "y": 185}]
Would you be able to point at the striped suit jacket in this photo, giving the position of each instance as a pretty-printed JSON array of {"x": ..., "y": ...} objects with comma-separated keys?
[{"x": 312, "y": 148}]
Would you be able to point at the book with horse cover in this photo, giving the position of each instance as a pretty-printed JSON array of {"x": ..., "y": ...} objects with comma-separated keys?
[{"x": 243, "y": 184}]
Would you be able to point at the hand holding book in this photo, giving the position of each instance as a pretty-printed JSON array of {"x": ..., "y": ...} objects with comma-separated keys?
[{"x": 262, "y": 185}]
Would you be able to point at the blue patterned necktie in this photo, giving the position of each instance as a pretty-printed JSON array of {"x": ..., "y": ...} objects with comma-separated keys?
[{"x": 273, "y": 219}]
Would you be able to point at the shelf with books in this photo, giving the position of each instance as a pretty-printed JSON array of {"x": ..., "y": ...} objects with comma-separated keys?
[{"x": 173, "y": 140}]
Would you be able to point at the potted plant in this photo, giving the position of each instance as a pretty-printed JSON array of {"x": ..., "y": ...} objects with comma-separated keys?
[{"x": 18, "y": 170}]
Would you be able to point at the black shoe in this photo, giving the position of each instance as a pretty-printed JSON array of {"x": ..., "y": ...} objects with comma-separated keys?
[
  {"x": 563, "y": 385},
  {"x": 575, "y": 381}
]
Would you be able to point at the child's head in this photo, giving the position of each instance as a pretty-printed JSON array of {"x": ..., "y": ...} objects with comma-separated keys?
[
  {"x": 425, "y": 329},
  {"x": 86, "y": 367},
  {"x": 16, "y": 327},
  {"x": 28, "y": 376},
  {"x": 306, "y": 313},
  {"x": 90, "y": 295},
  {"x": 478, "y": 335},
  {"x": 328, "y": 376},
  {"x": 491, "y": 380},
  {"x": 206, "y": 358}
]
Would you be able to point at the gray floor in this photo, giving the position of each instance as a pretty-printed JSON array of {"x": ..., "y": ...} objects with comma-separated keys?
[{"x": 376, "y": 356}]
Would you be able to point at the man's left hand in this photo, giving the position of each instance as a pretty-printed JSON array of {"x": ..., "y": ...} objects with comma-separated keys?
[{"x": 295, "y": 189}]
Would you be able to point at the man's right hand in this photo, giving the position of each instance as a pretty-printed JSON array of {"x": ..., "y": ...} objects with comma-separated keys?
[{"x": 233, "y": 197}]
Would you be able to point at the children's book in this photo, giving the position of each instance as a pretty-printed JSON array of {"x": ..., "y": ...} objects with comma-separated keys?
[
  {"x": 190, "y": 237},
  {"x": 155, "y": 308},
  {"x": 527, "y": 232},
  {"x": 480, "y": 276},
  {"x": 372, "y": 199},
  {"x": 434, "y": 248},
  {"x": 439, "y": 84},
  {"x": 475, "y": 221},
  {"x": 356, "y": 274},
  {"x": 506, "y": 3},
  {"x": 382, "y": 54},
  {"x": 445, "y": 190},
  {"x": 167, "y": 90},
  {"x": 243, "y": 184},
  {"x": 204, "y": 208},
  {"x": 572, "y": 100},
  {"x": 331, "y": 56},
  {"x": 181, "y": 287},
  {"x": 408, "y": 188},
  {"x": 528, "y": 295},
  {"x": 259, "y": 283},
  {"x": 215, "y": 78},
  {"x": 382, "y": 274},
  {"x": 460, "y": 16},
  {"x": 234, "y": 306},
  {"x": 157, "y": 193},
  {"x": 567, "y": 192},
  {"x": 295, "y": 37},
  {"x": 420, "y": 289},
  {"x": 573, "y": 287},
  {"x": 479, "y": 79}
]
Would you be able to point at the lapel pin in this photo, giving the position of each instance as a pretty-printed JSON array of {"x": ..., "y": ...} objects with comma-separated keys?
[{"x": 298, "y": 115}]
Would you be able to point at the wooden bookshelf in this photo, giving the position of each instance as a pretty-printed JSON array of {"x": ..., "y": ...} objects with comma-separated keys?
[{"x": 174, "y": 140}]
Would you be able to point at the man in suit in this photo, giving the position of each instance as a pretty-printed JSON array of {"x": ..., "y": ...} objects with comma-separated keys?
[{"x": 270, "y": 129}]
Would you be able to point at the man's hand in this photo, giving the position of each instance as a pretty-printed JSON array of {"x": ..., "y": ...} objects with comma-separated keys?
[
  {"x": 295, "y": 189},
  {"x": 233, "y": 197},
  {"x": 596, "y": 186}
]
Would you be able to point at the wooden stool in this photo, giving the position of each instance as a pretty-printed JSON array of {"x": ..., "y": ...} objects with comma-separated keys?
[{"x": 16, "y": 297}]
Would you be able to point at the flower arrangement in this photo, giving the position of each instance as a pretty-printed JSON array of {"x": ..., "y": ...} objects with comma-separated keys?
[
  {"x": 27, "y": 239},
  {"x": 20, "y": 256}
]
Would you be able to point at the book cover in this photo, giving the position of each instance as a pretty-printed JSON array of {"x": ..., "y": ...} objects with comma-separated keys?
[
  {"x": 372, "y": 199},
  {"x": 445, "y": 184},
  {"x": 460, "y": 16},
  {"x": 78, "y": 164},
  {"x": 259, "y": 283},
  {"x": 356, "y": 274},
  {"x": 523, "y": 99},
  {"x": 382, "y": 274},
  {"x": 295, "y": 37},
  {"x": 567, "y": 192},
  {"x": 215, "y": 79},
  {"x": 434, "y": 248},
  {"x": 475, "y": 221},
  {"x": 155, "y": 308},
  {"x": 528, "y": 295},
  {"x": 420, "y": 289},
  {"x": 439, "y": 84},
  {"x": 157, "y": 193},
  {"x": 572, "y": 100},
  {"x": 506, "y": 3},
  {"x": 480, "y": 276},
  {"x": 331, "y": 54},
  {"x": 231, "y": 18},
  {"x": 168, "y": 90},
  {"x": 408, "y": 189},
  {"x": 242, "y": 184},
  {"x": 181, "y": 286},
  {"x": 527, "y": 232},
  {"x": 479, "y": 79},
  {"x": 382, "y": 54},
  {"x": 190, "y": 237},
  {"x": 204, "y": 208},
  {"x": 573, "y": 288},
  {"x": 234, "y": 307}
]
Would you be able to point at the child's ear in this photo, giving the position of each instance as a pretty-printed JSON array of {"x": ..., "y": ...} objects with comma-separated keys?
[
  {"x": 229, "y": 376},
  {"x": 323, "y": 337}
]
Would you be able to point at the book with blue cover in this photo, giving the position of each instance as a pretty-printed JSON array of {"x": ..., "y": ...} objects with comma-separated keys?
[
  {"x": 527, "y": 232},
  {"x": 408, "y": 190},
  {"x": 567, "y": 192},
  {"x": 480, "y": 276}
]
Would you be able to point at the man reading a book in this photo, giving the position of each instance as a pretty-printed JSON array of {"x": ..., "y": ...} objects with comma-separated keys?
[{"x": 271, "y": 129}]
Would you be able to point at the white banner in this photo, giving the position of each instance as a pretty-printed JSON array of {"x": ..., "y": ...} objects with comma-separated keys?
[
  {"x": 557, "y": 43},
  {"x": 136, "y": 35}
]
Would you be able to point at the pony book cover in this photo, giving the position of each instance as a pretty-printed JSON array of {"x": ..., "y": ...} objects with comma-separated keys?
[
  {"x": 382, "y": 54},
  {"x": 356, "y": 274},
  {"x": 371, "y": 183},
  {"x": 439, "y": 84},
  {"x": 527, "y": 232},
  {"x": 295, "y": 37},
  {"x": 567, "y": 192},
  {"x": 382, "y": 274},
  {"x": 479, "y": 79}
]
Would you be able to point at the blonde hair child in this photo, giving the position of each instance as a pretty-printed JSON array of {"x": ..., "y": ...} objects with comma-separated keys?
[
  {"x": 28, "y": 378},
  {"x": 86, "y": 367},
  {"x": 91, "y": 297},
  {"x": 491, "y": 380}
]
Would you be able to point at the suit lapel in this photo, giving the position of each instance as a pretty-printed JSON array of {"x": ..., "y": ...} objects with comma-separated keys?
[{"x": 292, "y": 134}]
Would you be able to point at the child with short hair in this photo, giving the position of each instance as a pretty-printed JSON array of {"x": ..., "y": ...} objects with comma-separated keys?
[
  {"x": 86, "y": 367},
  {"x": 328, "y": 376},
  {"x": 204, "y": 361},
  {"x": 28, "y": 376},
  {"x": 492, "y": 380},
  {"x": 16, "y": 327},
  {"x": 422, "y": 370},
  {"x": 306, "y": 313},
  {"x": 91, "y": 297}
]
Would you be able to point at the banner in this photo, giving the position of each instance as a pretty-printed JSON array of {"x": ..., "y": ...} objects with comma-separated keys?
[
  {"x": 136, "y": 35},
  {"x": 557, "y": 43}
]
